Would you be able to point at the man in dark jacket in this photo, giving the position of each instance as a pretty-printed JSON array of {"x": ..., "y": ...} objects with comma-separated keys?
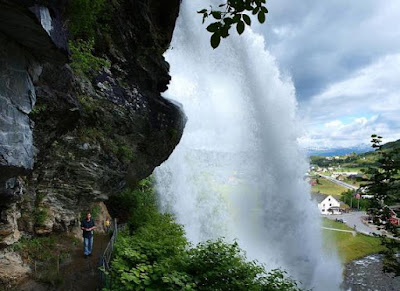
[{"x": 87, "y": 225}]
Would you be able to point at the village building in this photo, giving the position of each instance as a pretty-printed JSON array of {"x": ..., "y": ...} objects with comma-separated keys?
[
  {"x": 328, "y": 205},
  {"x": 394, "y": 212}
]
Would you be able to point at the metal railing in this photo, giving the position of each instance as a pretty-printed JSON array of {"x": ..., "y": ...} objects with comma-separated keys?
[{"x": 105, "y": 278}]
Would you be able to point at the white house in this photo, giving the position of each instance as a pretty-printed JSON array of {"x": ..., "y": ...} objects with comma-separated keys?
[{"x": 329, "y": 206}]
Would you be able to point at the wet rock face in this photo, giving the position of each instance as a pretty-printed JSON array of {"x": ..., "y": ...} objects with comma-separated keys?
[
  {"x": 23, "y": 44},
  {"x": 12, "y": 268},
  {"x": 17, "y": 97},
  {"x": 66, "y": 140}
]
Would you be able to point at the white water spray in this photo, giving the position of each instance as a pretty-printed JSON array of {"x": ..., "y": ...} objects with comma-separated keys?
[{"x": 237, "y": 171}]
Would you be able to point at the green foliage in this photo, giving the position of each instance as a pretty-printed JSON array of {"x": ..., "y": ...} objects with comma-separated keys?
[
  {"x": 217, "y": 265},
  {"x": 88, "y": 22},
  {"x": 42, "y": 253},
  {"x": 135, "y": 206},
  {"x": 149, "y": 258},
  {"x": 384, "y": 184},
  {"x": 327, "y": 187},
  {"x": 125, "y": 153},
  {"x": 233, "y": 12},
  {"x": 384, "y": 181},
  {"x": 94, "y": 211},
  {"x": 155, "y": 255},
  {"x": 38, "y": 109},
  {"x": 38, "y": 248},
  {"x": 346, "y": 245},
  {"x": 83, "y": 59},
  {"x": 39, "y": 198},
  {"x": 348, "y": 198},
  {"x": 40, "y": 215},
  {"x": 83, "y": 16}
]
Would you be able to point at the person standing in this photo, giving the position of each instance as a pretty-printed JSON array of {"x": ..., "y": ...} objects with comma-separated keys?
[
  {"x": 87, "y": 225},
  {"x": 107, "y": 224}
]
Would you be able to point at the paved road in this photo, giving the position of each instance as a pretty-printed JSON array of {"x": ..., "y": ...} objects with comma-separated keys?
[
  {"x": 341, "y": 183},
  {"x": 355, "y": 219}
]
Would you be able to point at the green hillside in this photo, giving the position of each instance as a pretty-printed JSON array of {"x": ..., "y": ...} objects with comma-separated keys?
[{"x": 353, "y": 162}]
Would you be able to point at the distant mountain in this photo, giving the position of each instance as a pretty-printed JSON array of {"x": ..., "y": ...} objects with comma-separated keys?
[
  {"x": 364, "y": 157},
  {"x": 327, "y": 152}
]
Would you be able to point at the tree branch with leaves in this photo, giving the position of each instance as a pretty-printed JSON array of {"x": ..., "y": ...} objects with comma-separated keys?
[
  {"x": 384, "y": 184},
  {"x": 233, "y": 12}
]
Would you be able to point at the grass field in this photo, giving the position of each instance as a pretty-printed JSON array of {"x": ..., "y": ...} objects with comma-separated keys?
[
  {"x": 333, "y": 224},
  {"x": 346, "y": 169},
  {"x": 328, "y": 188},
  {"x": 349, "y": 247}
]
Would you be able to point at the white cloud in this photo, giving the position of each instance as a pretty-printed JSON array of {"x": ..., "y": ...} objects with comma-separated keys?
[
  {"x": 351, "y": 110},
  {"x": 320, "y": 42},
  {"x": 356, "y": 132},
  {"x": 372, "y": 90},
  {"x": 344, "y": 59},
  {"x": 334, "y": 124}
]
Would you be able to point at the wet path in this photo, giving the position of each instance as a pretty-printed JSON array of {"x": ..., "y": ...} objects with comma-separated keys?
[
  {"x": 81, "y": 273},
  {"x": 78, "y": 273}
]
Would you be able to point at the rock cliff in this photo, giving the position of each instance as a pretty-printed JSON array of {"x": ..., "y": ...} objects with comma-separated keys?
[{"x": 71, "y": 135}]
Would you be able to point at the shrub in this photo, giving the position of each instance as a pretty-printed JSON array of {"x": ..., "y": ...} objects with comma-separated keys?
[{"x": 155, "y": 255}]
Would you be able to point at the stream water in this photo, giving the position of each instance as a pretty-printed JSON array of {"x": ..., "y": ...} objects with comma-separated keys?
[
  {"x": 366, "y": 274},
  {"x": 238, "y": 172}
]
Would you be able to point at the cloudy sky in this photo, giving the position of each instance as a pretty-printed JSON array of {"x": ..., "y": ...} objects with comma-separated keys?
[{"x": 344, "y": 59}]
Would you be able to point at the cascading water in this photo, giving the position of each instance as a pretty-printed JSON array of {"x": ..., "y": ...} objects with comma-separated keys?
[{"x": 237, "y": 172}]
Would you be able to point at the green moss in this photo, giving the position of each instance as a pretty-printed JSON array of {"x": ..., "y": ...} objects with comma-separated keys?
[
  {"x": 83, "y": 16},
  {"x": 38, "y": 109},
  {"x": 125, "y": 153},
  {"x": 109, "y": 142},
  {"x": 83, "y": 60},
  {"x": 40, "y": 215}
]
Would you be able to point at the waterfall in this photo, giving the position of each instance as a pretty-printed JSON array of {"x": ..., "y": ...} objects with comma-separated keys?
[{"x": 238, "y": 172}]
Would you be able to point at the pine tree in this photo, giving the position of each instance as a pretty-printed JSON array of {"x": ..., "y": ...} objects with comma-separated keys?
[{"x": 384, "y": 184}]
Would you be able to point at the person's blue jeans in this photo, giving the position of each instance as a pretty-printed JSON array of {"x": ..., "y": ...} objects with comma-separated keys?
[{"x": 87, "y": 245}]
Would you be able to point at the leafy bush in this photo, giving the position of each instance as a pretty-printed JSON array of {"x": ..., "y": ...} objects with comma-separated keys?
[
  {"x": 155, "y": 255},
  {"x": 136, "y": 206},
  {"x": 217, "y": 265}
]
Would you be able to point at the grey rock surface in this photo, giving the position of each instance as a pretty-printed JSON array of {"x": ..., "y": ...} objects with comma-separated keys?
[{"x": 17, "y": 98}]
